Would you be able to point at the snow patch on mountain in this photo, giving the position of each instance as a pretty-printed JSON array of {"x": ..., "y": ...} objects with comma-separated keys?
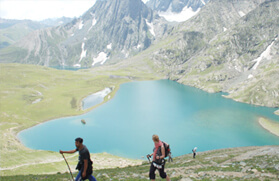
[
  {"x": 109, "y": 46},
  {"x": 241, "y": 13},
  {"x": 250, "y": 76},
  {"x": 203, "y": 2},
  {"x": 77, "y": 65},
  {"x": 184, "y": 15},
  {"x": 265, "y": 54},
  {"x": 151, "y": 28},
  {"x": 83, "y": 53},
  {"x": 94, "y": 21},
  {"x": 125, "y": 53},
  {"x": 80, "y": 26},
  {"x": 102, "y": 57}
]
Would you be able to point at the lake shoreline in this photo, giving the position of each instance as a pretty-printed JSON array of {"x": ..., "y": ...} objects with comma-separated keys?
[
  {"x": 111, "y": 94},
  {"x": 164, "y": 83},
  {"x": 270, "y": 126},
  {"x": 99, "y": 94}
]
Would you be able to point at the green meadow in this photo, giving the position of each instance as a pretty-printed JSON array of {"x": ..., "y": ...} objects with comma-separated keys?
[{"x": 32, "y": 94}]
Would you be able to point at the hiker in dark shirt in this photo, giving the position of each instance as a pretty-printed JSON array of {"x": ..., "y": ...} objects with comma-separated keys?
[{"x": 85, "y": 164}]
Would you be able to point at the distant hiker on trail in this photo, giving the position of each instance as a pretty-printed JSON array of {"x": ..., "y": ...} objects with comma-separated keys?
[
  {"x": 170, "y": 157},
  {"x": 85, "y": 164},
  {"x": 194, "y": 152},
  {"x": 158, "y": 159}
]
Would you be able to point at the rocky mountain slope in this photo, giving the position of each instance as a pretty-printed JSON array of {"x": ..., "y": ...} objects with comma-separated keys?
[
  {"x": 50, "y": 22},
  {"x": 12, "y": 31},
  {"x": 234, "y": 49},
  {"x": 248, "y": 163},
  {"x": 109, "y": 30}
]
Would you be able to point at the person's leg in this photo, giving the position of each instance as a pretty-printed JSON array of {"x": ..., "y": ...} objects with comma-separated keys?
[
  {"x": 167, "y": 178},
  {"x": 152, "y": 172},
  {"x": 78, "y": 178},
  {"x": 92, "y": 178},
  {"x": 163, "y": 173}
]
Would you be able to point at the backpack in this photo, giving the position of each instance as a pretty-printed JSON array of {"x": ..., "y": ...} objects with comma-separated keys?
[{"x": 167, "y": 149}]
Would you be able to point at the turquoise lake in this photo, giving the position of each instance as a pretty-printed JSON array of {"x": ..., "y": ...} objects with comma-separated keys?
[{"x": 183, "y": 116}]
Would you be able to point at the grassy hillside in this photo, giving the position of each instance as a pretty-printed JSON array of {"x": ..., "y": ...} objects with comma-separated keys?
[
  {"x": 248, "y": 163},
  {"x": 33, "y": 94},
  {"x": 12, "y": 31}
]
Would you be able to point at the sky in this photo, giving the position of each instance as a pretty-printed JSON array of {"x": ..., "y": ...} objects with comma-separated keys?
[{"x": 43, "y": 9}]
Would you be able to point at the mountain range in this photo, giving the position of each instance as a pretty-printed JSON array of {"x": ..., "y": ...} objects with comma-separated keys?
[
  {"x": 109, "y": 30},
  {"x": 12, "y": 31},
  {"x": 229, "y": 46}
]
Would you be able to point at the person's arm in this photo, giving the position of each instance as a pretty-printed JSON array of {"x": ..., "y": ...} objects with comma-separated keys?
[
  {"x": 71, "y": 151},
  {"x": 85, "y": 161},
  {"x": 149, "y": 155},
  {"x": 163, "y": 153}
]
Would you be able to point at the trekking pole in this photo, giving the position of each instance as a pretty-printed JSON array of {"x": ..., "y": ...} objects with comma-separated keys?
[
  {"x": 68, "y": 167},
  {"x": 148, "y": 157}
]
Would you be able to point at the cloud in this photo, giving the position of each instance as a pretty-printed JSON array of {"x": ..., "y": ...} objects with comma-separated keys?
[{"x": 43, "y": 9}]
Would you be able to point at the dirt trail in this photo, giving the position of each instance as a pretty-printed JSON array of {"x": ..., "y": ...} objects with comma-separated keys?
[{"x": 37, "y": 163}]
